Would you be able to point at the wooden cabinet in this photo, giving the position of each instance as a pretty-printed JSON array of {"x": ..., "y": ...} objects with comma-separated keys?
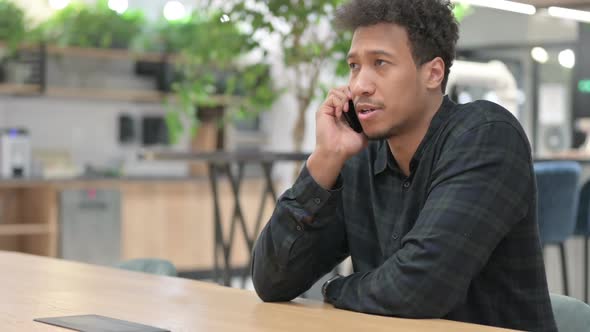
[
  {"x": 27, "y": 223},
  {"x": 170, "y": 219}
]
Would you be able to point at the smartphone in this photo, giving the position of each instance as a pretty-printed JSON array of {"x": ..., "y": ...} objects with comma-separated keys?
[{"x": 352, "y": 119}]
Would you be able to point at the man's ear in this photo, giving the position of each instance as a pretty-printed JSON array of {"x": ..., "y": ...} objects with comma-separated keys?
[{"x": 433, "y": 73}]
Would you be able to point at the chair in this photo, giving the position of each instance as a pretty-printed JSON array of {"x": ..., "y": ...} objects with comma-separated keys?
[
  {"x": 571, "y": 315},
  {"x": 149, "y": 265},
  {"x": 583, "y": 229},
  {"x": 557, "y": 186}
]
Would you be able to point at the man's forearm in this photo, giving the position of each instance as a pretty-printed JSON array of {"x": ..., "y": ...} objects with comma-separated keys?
[{"x": 303, "y": 240}]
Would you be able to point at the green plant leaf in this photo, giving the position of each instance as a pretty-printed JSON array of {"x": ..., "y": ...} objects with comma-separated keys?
[
  {"x": 12, "y": 24},
  {"x": 82, "y": 25}
]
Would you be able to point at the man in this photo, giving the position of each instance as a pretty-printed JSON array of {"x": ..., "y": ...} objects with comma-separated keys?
[{"x": 435, "y": 202}]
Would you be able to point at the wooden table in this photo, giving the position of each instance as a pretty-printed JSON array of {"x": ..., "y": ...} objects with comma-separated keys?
[{"x": 34, "y": 287}]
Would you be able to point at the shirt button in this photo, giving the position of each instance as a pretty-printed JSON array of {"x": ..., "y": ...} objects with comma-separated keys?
[
  {"x": 299, "y": 228},
  {"x": 394, "y": 236},
  {"x": 407, "y": 184},
  {"x": 317, "y": 200}
]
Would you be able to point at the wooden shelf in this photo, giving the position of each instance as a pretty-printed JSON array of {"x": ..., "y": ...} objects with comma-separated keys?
[
  {"x": 145, "y": 96},
  {"x": 112, "y": 54},
  {"x": 20, "y": 89},
  {"x": 102, "y": 53},
  {"x": 129, "y": 95},
  {"x": 25, "y": 229}
]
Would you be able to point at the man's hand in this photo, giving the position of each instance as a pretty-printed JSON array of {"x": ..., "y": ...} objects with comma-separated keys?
[{"x": 336, "y": 142}]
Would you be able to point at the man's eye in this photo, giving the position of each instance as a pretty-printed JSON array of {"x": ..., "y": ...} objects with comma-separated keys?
[
  {"x": 379, "y": 63},
  {"x": 352, "y": 65}
]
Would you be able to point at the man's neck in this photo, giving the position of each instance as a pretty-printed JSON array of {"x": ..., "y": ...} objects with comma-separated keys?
[{"x": 404, "y": 145}]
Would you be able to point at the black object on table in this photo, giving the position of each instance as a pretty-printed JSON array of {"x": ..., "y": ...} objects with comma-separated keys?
[
  {"x": 97, "y": 323},
  {"x": 219, "y": 164}
]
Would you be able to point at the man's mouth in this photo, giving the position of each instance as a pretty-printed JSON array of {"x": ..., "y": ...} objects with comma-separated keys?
[{"x": 367, "y": 110}]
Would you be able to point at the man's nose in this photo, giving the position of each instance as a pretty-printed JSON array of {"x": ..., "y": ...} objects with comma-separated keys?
[{"x": 363, "y": 84}]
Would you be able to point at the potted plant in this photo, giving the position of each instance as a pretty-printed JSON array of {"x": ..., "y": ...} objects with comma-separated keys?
[
  {"x": 12, "y": 32},
  {"x": 91, "y": 26},
  {"x": 212, "y": 76},
  {"x": 12, "y": 24},
  {"x": 461, "y": 10}
]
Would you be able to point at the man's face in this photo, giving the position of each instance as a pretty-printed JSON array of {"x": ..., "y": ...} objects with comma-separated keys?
[{"x": 386, "y": 85}]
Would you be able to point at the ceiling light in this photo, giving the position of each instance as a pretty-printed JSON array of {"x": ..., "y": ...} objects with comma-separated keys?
[
  {"x": 511, "y": 6},
  {"x": 567, "y": 58},
  {"x": 59, "y": 4},
  {"x": 539, "y": 54},
  {"x": 120, "y": 6},
  {"x": 174, "y": 10},
  {"x": 572, "y": 14}
]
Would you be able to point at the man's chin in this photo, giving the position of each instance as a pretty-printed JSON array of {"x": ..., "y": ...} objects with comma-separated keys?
[{"x": 379, "y": 136}]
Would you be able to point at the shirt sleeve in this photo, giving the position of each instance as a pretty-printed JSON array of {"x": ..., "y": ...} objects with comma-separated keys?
[
  {"x": 304, "y": 239},
  {"x": 481, "y": 186}
]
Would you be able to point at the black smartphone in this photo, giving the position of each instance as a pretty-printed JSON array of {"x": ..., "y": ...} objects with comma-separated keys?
[{"x": 352, "y": 119}]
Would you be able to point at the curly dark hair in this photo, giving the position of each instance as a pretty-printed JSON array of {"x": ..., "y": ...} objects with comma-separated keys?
[{"x": 432, "y": 28}]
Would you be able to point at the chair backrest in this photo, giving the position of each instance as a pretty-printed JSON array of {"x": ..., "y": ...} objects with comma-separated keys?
[
  {"x": 557, "y": 206},
  {"x": 149, "y": 265},
  {"x": 583, "y": 223},
  {"x": 571, "y": 315}
]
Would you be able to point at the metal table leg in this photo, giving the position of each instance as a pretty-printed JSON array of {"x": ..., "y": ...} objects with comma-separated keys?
[
  {"x": 223, "y": 246},
  {"x": 237, "y": 215},
  {"x": 219, "y": 246}
]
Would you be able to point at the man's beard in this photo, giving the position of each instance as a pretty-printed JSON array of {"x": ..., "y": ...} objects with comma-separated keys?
[{"x": 385, "y": 135}]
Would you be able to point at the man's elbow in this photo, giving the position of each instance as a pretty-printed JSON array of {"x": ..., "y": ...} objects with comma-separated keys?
[
  {"x": 271, "y": 291},
  {"x": 266, "y": 294},
  {"x": 269, "y": 282}
]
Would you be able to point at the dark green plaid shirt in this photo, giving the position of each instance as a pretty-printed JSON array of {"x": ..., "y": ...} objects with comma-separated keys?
[{"x": 457, "y": 239}]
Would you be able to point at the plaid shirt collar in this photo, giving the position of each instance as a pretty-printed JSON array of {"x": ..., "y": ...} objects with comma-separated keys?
[{"x": 385, "y": 157}]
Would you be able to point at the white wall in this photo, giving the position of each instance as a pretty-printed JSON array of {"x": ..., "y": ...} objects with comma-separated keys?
[
  {"x": 87, "y": 129},
  {"x": 486, "y": 27}
]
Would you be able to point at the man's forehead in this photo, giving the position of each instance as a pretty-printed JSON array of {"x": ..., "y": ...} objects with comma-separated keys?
[{"x": 383, "y": 38}]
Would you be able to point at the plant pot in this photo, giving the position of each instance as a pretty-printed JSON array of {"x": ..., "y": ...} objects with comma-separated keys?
[
  {"x": 161, "y": 71},
  {"x": 209, "y": 137},
  {"x": 146, "y": 68},
  {"x": 166, "y": 76}
]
